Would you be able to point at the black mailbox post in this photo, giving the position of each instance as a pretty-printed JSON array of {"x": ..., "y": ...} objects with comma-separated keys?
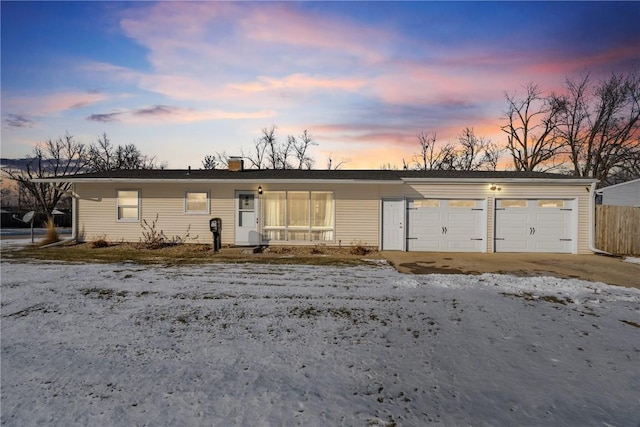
[{"x": 215, "y": 225}]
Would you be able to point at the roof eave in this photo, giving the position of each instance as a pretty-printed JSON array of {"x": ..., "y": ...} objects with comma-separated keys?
[
  {"x": 219, "y": 181},
  {"x": 494, "y": 180}
]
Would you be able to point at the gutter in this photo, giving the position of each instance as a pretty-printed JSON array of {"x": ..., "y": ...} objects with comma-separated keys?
[
  {"x": 220, "y": 181},
  {"x": 592, "y": 223}
]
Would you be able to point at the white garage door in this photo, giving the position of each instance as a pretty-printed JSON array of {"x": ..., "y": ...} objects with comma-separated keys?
[
  {"x": 438, "y": 225},
  {"x": 535, "y": 226}
]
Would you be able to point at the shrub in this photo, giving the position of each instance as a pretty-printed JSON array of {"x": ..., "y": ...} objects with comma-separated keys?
[
  {"x": 359, "y": 249},
  {"x": 52, "y": 235},
  {"x": 154, "y": 239},
  {"x": 99, "y": 243}
]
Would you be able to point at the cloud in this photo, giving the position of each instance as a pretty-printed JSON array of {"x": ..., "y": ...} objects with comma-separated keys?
[
  {"x": 54, "y": 103},
  {"x": 298, "y": 82},
  {"x": 105, "y": 118},
  {"x": 156, "y": 111},
  {"x": 18, "y": 121},
  {"x": 171, "y": 114}
]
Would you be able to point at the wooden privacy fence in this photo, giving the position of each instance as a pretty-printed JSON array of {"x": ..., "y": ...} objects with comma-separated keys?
[{"x": 617, "y": 229}]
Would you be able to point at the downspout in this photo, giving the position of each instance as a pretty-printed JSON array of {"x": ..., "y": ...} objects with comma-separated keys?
[
  {"x": 74, "y": 215},
  {"x": 592, "y": 222}
]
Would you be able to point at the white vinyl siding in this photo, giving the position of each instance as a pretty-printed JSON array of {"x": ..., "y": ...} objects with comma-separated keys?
[{"x": 357, "y": 207}]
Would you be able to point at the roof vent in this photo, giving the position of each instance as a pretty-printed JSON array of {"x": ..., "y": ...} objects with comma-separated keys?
[{"x": 235, "y": 164}]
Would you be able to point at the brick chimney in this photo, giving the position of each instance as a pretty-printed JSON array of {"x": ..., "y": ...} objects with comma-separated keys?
[{"x": 235, "y": 164}]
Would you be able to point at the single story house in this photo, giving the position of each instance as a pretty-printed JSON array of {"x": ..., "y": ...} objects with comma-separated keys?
[
  {"x": 623, "y": 194},
  {"x": 403, "y": 210}
]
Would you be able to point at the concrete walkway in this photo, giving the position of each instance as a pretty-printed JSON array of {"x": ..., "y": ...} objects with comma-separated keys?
[{"x": 595, "y": 268}]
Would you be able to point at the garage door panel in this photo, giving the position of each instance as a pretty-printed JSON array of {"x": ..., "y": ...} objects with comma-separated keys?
[
  {"x": 463, "y": 246},
  {"x": 535, "y": 226},
  {"x": 512, "y": 245},
  {"x": 447, "y": 228},
  {"x": 462, "y": 217}
]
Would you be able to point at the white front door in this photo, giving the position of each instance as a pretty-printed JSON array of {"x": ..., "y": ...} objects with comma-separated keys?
[
  {"x": 538, "y": 225},
  {"x": 246, "y": 219},
  {"x": 393, "y": 225}
]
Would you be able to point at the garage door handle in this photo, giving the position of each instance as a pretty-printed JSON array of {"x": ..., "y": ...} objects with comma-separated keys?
[
  {"x": 532, "y": 231},
  {"x": 566, "y": 240}
]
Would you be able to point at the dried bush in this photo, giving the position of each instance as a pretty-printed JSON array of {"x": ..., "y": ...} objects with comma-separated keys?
[
  {"x": 154, "y": 239},
  {"x": 99, "y": 243},
  {"x": 52, "y": 235},
  {"x": 359, "y": 249}
]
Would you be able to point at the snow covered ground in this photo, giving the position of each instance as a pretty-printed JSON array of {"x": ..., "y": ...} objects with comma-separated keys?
[{"x": 259, "y": 345}]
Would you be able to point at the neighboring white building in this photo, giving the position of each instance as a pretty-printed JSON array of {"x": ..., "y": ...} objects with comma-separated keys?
[{"x": 624, "y": 194}]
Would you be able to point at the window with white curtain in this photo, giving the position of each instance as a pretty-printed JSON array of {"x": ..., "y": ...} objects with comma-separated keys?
[
  {"x": 196, "y": 202},
  {"x": 298, "y": 216}
]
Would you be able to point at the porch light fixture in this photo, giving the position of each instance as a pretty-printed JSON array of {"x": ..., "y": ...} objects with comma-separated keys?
[
  {"x": 495, "y": 187},
  {"x": 260, "y": 190}
]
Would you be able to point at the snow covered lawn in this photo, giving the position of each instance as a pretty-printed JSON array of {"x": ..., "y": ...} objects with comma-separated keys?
[{"x": 257, "y": 345}]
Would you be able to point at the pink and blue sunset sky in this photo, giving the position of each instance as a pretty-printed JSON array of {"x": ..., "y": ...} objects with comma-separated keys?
[{"x": 185, "y": 79}]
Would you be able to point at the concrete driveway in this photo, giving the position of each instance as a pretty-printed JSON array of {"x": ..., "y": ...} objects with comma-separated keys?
[{"x": 595, "y": 268}]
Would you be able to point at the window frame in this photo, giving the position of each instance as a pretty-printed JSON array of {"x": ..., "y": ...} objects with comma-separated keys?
[
  {"x": 308, "y": 229},
  {"x": 206, "y": 210},
  {"x": 137, "y": 206}
]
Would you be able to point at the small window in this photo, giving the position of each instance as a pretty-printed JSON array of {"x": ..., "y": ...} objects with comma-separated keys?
[
  {"x": 462, "y": 204},
  {"x": 426, "y": 203},
  {"x": 196, "y": 202},
  {"x": 128, "y": 205},
  {"x": 512, "y": 203},
  {"x": 551, "y": 204}
]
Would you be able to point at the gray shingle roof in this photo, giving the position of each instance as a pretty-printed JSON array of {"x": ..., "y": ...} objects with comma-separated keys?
[{"x": 296, "y": 174}]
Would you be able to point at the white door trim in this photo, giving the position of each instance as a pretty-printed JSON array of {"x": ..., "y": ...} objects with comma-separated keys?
[
  {"x": 246, "y": 220},
  {"x": 394, "y": 238}
]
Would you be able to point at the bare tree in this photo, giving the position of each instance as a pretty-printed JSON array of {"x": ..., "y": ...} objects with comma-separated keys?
[
  {"x": 104, "y": 156},
  {"x": 601, "y": 127},
  {"x": 209, "y": 162},
  {"x": 268, "y": 140},
  {"x": 388, "y": 167},
  {"x": 531, "y": 130},
  {"x": 215, "y": 161},
  {"x": 270, "y": 154},
  {"x": 337, "y": 165},
  {"x": 431, "y": 158},
  {"x": 61, "y": 157},
  {"x": 475, "y": 152},
  {"x": 301, "y": 149},
  {"x": 257, "y": 157}
]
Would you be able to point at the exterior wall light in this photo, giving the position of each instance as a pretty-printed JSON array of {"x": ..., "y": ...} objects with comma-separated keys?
[
  {"x": 495, "y": 187},
  {"x": 260, "y": 190}
]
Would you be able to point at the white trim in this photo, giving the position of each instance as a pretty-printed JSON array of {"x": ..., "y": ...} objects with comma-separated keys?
[
  {"x": 117, "y": 205},
  {"x": 557, "y": 181},
  {"x": 203, "y": 212}
]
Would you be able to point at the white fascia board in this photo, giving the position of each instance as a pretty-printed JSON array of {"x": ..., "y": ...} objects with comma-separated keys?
[
  {"x": 218, "y": 181},
  {"x": 558, "y": 181}
]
